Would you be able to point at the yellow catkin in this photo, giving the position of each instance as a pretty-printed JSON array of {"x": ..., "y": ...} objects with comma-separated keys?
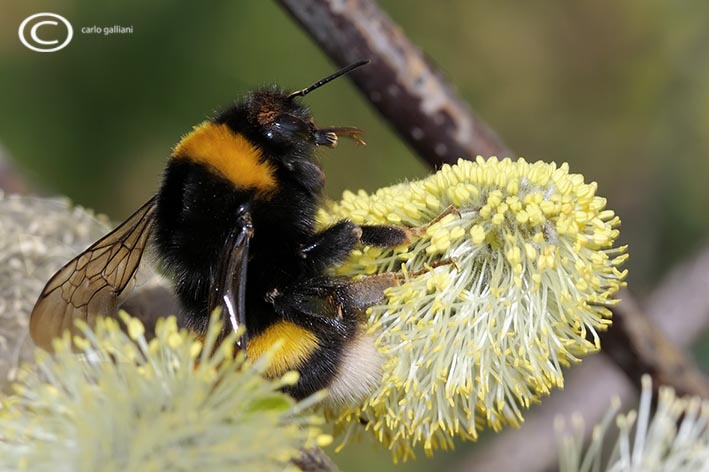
[{"x": 497, "y": 295}]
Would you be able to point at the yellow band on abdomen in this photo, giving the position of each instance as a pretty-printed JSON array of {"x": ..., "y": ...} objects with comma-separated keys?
[{"x": 297, "y": 345}]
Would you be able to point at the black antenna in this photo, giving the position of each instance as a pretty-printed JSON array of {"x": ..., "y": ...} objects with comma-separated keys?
[{"x": 329, "y": 78}]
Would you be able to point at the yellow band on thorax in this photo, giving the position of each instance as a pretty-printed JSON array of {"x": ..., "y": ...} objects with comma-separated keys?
[{"x": 230, "y": 153}]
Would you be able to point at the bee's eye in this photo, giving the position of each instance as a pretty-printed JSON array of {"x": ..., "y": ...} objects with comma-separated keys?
[{"x": 287, "y": 127}]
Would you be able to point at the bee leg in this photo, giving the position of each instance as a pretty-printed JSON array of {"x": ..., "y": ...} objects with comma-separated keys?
[
  {"x": 385, "y": 235},
  {"x": 392, "y": 236},
  {"x": 332, "y": 245},
  {"x": 450, "y": 210}
]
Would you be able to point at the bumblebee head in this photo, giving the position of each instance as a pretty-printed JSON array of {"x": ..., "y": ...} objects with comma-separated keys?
[
  {"x": 277, "y": 120},
  {"x": 280, "y": 120}
]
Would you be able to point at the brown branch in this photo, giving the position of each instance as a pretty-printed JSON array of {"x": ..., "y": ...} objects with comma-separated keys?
[
  {"x": 636, "y": 345},
  {"x": 400, "y": 82},
  {"x": 412, "y": 94},
  {"x": 314, "y": 460}
]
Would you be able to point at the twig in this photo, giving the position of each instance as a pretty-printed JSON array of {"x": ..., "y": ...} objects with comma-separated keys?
[
  {"x": 413, "y": 97},
  {"x": 411, "y": 93},
  {"x": 400, "y": 82},
  {"x": 637, "y": 346},
  {"x": 314, "y": 460}
]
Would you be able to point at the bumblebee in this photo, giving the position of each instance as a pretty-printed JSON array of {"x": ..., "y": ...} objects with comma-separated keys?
[{"x": 233, "y": 225}]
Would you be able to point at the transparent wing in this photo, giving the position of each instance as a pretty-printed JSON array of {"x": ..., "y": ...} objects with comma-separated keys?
[
  {"x": 90, "y": 284},
  {"x": 228, "y": 291}
]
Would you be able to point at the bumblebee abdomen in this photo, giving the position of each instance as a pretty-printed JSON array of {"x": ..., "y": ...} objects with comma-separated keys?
[
  {"x": 295, "y": 343},
  {"x": 344, "y": 361},
  {"x": 312, "y": 346}
]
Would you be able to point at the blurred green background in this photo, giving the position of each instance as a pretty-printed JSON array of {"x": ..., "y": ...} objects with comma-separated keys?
[{"x": 620, "y": 90}]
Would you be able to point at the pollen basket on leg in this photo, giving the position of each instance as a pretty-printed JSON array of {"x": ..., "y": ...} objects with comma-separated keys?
[{"x": 229, "y": 153}]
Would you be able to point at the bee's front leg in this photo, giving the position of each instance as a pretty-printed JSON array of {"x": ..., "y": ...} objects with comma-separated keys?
[
  {"x": 332, "y": 245},
  {"x": 385, "y": 235}
]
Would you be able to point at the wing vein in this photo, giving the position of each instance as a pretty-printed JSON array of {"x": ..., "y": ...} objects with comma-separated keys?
[{"x": 90, "y": 284}]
